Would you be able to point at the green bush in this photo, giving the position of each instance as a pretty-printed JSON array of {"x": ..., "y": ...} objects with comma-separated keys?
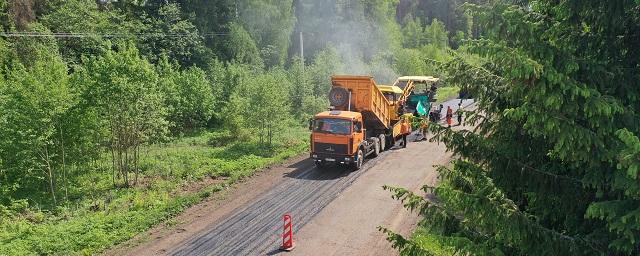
[{"x": 219, "y": 139}]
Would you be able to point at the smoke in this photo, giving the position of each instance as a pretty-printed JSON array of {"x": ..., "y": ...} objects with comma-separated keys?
[{"x": 355, "y": 29}]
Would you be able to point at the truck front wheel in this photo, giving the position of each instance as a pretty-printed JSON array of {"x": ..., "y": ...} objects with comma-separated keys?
[{"x": 359, "y": 161}]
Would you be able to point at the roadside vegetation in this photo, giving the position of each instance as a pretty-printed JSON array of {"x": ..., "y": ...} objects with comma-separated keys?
[
  {"x": 117, "y": 115},
  {"x": 552, "y": 166},
  {"x": 447, "y": 93}
]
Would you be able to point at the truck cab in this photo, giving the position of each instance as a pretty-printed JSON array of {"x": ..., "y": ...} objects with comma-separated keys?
[{"x": 339, "y": 137}]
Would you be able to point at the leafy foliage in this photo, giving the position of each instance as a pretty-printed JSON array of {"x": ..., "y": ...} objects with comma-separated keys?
[
  {"x": 83, "y": 16},
  {"x": 551, "y": 166},
  {"x": 169, "y": 33},
  {"x": 33, "y": 121},
  {"x": 122, "y": 88},
  {"x": 188, "y": 95}
]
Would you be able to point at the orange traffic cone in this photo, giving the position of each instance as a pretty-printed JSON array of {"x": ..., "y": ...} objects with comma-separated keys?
[{"x": 287, "y": 236}]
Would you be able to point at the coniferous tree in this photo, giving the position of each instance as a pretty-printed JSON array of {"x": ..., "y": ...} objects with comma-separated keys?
[{"x": 552, "y": 166}]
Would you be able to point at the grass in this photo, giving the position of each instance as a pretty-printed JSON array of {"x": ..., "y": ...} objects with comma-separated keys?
[
  {"x": 102, "y": 216},
  {"x": 447, "y": 93}
]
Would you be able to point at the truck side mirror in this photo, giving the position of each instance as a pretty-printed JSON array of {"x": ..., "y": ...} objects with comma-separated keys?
[{"x": 310, "y": 124}]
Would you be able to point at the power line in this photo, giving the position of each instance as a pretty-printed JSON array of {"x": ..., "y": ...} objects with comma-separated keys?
[{"x": 107, "y": 35}]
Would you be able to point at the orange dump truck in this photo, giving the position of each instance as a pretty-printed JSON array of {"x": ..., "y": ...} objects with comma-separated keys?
[{"x": 359, "y": 123}]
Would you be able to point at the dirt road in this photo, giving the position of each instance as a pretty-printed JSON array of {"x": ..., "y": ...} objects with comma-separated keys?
[
  {"x": 335, "y": 212},
  {"x": 347, "y": 226}
]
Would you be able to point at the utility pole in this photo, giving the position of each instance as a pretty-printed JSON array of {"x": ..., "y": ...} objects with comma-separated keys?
[
  {"x": 301, "y": 51},
  {"x": 237, "y": 9}
]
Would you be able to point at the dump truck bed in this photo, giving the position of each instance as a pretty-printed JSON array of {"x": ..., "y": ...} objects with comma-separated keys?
[{"x": 367, "y": 99}]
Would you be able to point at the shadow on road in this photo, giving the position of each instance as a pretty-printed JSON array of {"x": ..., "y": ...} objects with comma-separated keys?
[
  {"x": 301, "y": 164},
  {"x": 275, "y": 252},
  {"x": 329, "y": 172}
]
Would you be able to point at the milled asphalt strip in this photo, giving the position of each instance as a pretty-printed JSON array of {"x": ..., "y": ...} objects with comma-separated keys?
[
  {"x": 310, "y": 190},
  {"x": 313, "y": 206},
  {"x": 269, "y": 194},
  {"x": 308, "y": 212},
  {"x": 269, "y": 218},
  {"x": 260, "y": 239},
  {"x": 241, "y": 218},
  {"x": 248, "y": 214}
]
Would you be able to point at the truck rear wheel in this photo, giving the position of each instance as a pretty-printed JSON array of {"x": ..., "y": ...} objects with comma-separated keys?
[
  {"x": 383, "y": 144},
  {"x": 376, "y": 147}
]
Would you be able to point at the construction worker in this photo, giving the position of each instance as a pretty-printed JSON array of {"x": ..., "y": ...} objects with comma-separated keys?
[
  {"x": 459, "y": 112},
  {"x": 424, "y": 125},
  {"x": 449, "y": 115},
  {"x": 405, "y": 130}
]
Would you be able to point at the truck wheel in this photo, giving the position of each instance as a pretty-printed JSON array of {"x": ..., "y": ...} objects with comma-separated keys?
[
  {"x": 376, "y": 147},
  {"x": 383, "y": 144},
  {"x": 360, "y": 160}
]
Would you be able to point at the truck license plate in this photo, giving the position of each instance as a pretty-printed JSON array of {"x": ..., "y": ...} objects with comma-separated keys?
[{"x": 330, "y": 160}]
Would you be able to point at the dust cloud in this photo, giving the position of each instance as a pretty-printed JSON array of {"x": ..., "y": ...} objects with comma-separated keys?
[{"x": 364, "y": 46}]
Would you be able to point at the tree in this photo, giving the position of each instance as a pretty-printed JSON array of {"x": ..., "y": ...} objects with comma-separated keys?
[
  {"x": 122, "y": 87},
  {"x": 552, "y": 167},
  {"x": 241, "y": 47},
  {"x": 33, "y": 103},
  {"x": 270, "y": 24},
  {"x": 270, "y": 105},
  {"x": 436, "y": 34},
  {"x": 169, "y": 33},
  {"x": 235, "y": 98},
  {"x": 7, "y": 55},
  {"x": 303, "y": 102},
  {"x": 212, "y": 17},
  {"x": 326, "y": 64},
  {"x": 5, "y": 20},
  {"x": 83, "y": 16},
  {"x": 189, "y": 97},
  {"x": 413, "y": 33},
  {"x": 410, "y": 62},
  {"x": 216, "y": 72},
  {"x": 30, "y": 50}
]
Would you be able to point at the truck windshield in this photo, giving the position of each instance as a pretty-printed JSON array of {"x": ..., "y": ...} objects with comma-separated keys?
[{"x": 332, "y": 125}]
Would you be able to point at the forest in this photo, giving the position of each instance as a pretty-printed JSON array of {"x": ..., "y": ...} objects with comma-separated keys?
[
  {"x": 118, "y": 115},
  {"x": 552, "y": 166}
]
